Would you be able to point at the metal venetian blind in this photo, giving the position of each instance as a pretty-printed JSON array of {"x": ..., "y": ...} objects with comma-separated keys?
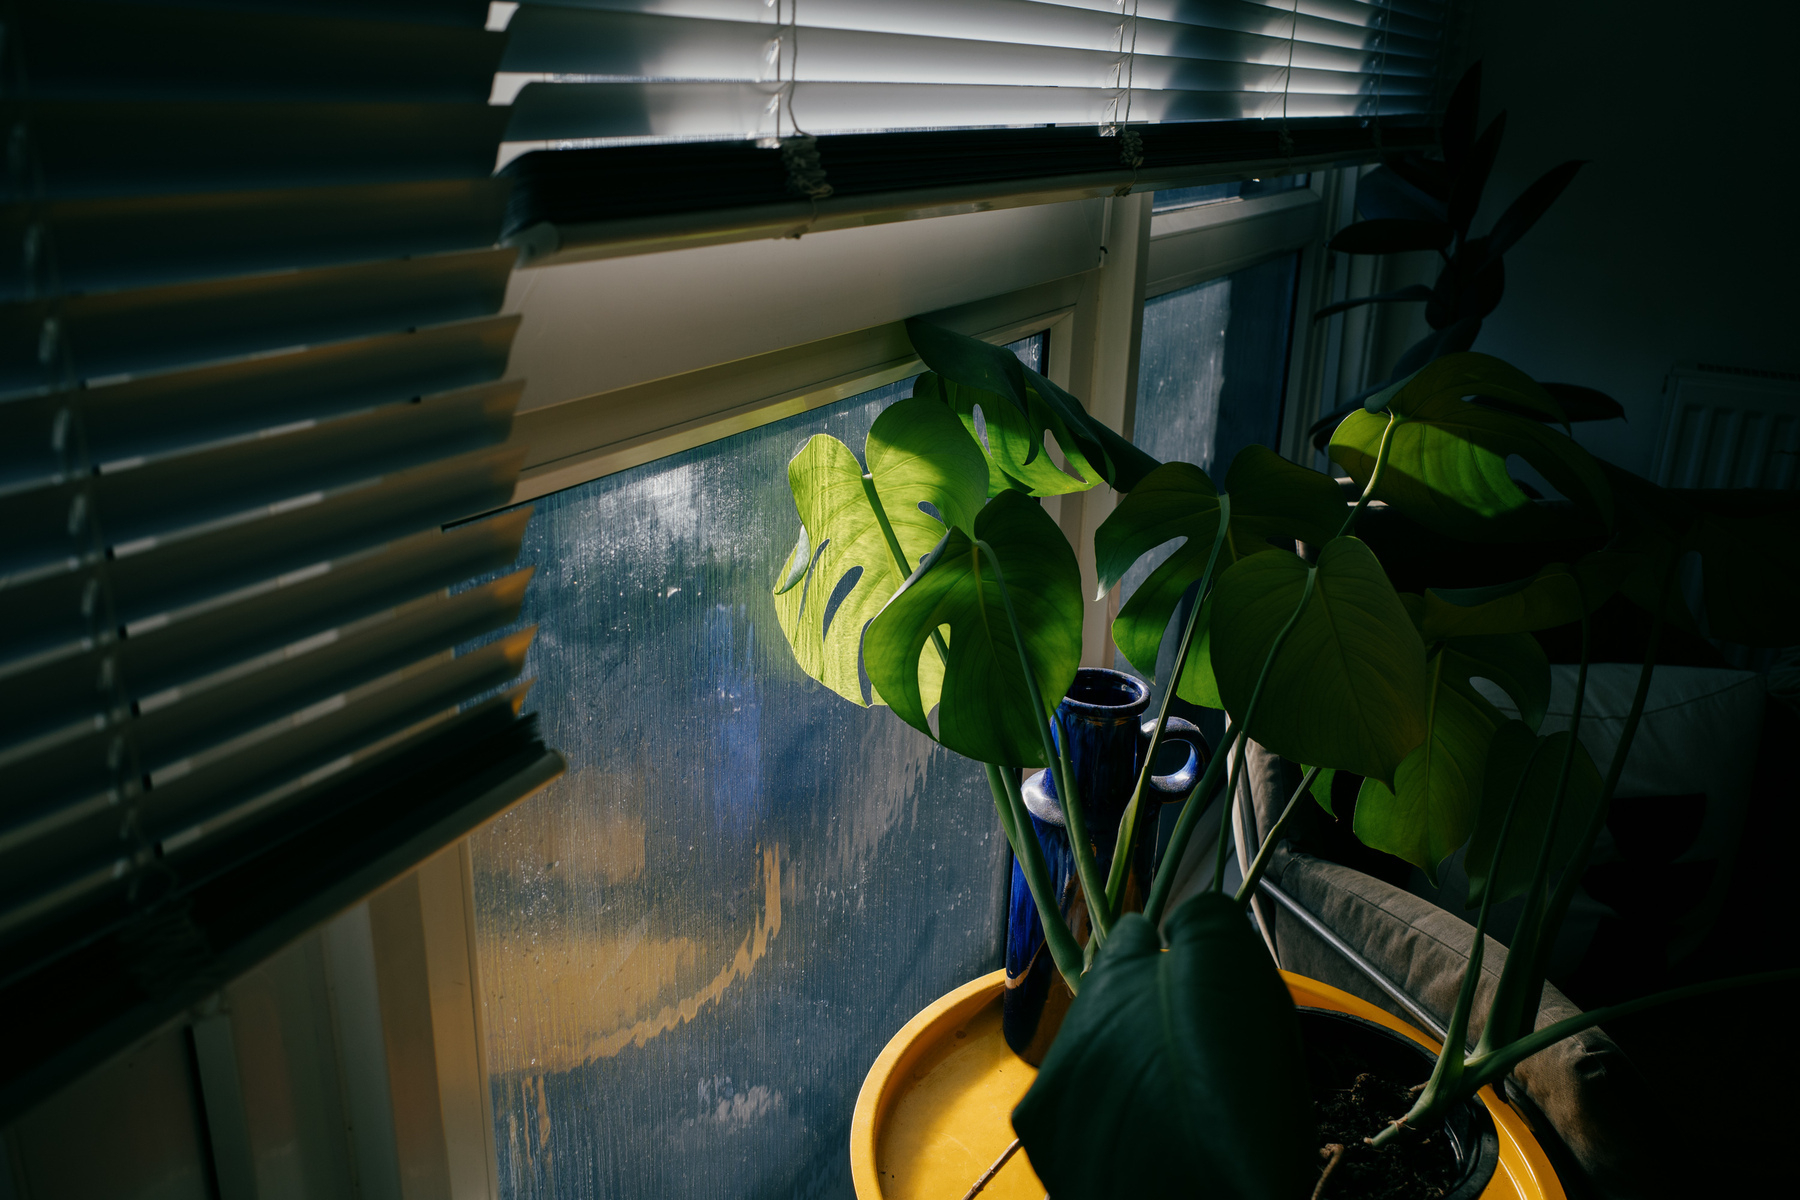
[
  {"x": 249, "y": 356},
  {"x": 594, "y": 72}
]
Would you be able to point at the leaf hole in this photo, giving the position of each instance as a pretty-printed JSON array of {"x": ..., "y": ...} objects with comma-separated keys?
[
  {"x": 839, "y": 594},
  {"x": 1530, "y": 481},
  {"x": 931, "y": 510}
]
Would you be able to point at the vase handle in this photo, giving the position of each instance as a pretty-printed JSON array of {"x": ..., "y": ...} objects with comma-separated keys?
[{"x": 1178, "y": 729}]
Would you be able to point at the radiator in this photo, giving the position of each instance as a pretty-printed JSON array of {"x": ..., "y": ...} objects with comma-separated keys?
[{"x": 1730, "y": 427}]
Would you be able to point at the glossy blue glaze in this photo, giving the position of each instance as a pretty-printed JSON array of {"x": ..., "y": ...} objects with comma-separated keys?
[{"x": 1101, "y": 724}]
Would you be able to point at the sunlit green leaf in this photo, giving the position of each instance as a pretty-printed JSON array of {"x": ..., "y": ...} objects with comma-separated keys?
[
  {"x": 984, "y": 711},
  {"x": 1446, "y": 465},
  {"x": 973, "y": 363},
  {"x": 1556, "y": 595},
  {"x": 1349, "y": 688},
  {"x": 1518, "y": 753},
  {"x": 919, "y": 453},
  {"x": 1014, "y": 442},
  {"x": 1321, "y": 788},
  {"x": 1177, "y": 1073}
]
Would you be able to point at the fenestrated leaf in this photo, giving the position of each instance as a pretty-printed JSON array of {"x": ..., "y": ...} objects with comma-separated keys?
[
  {"x": 1556, "y": 595},
  {"x": 1577, "y": 403},
  {"x": 1175, "y": 1074},
  {"x": 1437, "y": 792},
  {"x": 1391, "y": 235},
  {"x": 1018, "y": 458},
  {"x": 1348, "y": 689},
  {"x": 1454, "y": 338},
  {"x": 1446, "y": 464},
  {"x": 973, "y": 363},
  {"x": 984, "y": 709},
  {"x": 1270, "y": 497},
  {"x": 1197, "y": 684},
  {"x": 918, "y": 452},
  {"x": 1518, "y": 752}
]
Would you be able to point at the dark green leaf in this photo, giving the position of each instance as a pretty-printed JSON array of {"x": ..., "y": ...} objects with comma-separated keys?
[
  {"x": 1197, "y": 684},
  {"x": 1175, "y": 1074},
  {"x": 1746, "y": 538},
  {"x": 984, "y": 710},
  {"x": 1472, "y": 175},
  {"x": 1348, "y": 689},
  {"x": 1384, "y": 192},
  {"x": 1556, "y": 595},
  {"x": 1452, "y": 339},
  {"x": 1460, "y": 115},
  {"x": 1270, "y": 497},
  {"x": 918, "y": 452},
  {"x": 1518, "y": 752},
  {"x": 1321, "y": 788},
  {"x": 973, "y": 363},
  {"x": 1432, "y": 806},
  {"x": 1446, "y": 464},
  {"x": 1412, "y": 291},
  {"x": 1391, "y": 235},
  {"x": 1584, "y": 403},
  {"x": 1531, "y": 204}
]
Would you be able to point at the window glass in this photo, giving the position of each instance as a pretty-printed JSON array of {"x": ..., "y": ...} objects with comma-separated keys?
[
  {"x": 695, "y": 943},
  {"x": 1170, "y": 199}
]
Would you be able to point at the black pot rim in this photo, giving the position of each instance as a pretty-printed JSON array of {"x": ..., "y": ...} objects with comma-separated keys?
[{"x": 1469, "y": 1126}]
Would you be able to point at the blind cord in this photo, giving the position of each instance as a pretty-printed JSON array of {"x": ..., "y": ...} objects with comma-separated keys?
[
  {"x": 1287, "y": 85},
  {"x": 1131, "y": 143},
  {"x": 1387, "y": 20},
  {"x": 800, "y": 150}
]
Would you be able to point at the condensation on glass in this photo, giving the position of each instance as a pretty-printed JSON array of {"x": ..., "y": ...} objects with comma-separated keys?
[{"x": 694, "y": 944}]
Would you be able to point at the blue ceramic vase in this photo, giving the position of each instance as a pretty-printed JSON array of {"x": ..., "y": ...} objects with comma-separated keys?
[{"x": 1101, "y": 723}]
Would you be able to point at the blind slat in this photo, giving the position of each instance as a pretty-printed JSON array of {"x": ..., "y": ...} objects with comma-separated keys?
[
  {"x": 573, "y": 111},
  {"x": 146, "y": 329},
  {"x": 567, "y": 41},
  {"x": 141, "y": 241}
]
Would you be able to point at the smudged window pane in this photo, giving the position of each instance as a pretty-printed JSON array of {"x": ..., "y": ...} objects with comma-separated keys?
[
  {"x": 1170, "y": 199},
  {"x": 693, "y": 946}
]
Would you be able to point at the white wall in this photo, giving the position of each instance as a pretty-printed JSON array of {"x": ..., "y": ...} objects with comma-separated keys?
[{"x": 1679, "y": 242}]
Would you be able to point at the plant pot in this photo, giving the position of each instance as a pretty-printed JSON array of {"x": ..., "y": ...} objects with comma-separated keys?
[{"x": 935, "y": 1110}]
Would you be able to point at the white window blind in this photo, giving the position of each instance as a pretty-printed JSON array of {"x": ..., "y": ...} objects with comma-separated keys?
[
  {"x": 250, "y": 360},
  {"x": 609, "y": 72}
]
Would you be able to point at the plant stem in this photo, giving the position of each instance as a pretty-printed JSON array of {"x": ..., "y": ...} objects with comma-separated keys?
[
  {"x": 1086, "y": 868},
  {"x": 1267, "y": 850},
  {"x": 1571, "y": 880},
  {"x": 1442, "y": 1088},
  {"x": 1485, "y": 1069},
  {"x": 1196, "y": 803},
  {"x": 899, "y": 555},
  {"x": 1126, "y": 843},
  {"x": 1514, "y": 1010},
  {"x": 1233, "y": 784},
  {"x": 1381, "y": 453},
  {"x": 1015, "y": 819}
]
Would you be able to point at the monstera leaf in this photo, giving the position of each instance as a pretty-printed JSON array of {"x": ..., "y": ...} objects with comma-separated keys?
[
  {"x": 1557, "y": 594},
  {"x": 1522, "y": 760},
  {"x": 1178, "y": 1073},
  {"x": 1270, "y": 497},
  {"x": 1349, "y": 688},
  {"x": 984, "y": 367},
  {"x": 1446, "y": 464},
  {"x": 1437, "y": 792},
  {"x": 1014, "y": 439},
  {"x": 857, "y": 529},
  {"x": 984, "y": 709}
]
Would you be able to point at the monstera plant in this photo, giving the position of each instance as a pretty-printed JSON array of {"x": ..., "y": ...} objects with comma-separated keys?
[{"x": 930, "y": 567}]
